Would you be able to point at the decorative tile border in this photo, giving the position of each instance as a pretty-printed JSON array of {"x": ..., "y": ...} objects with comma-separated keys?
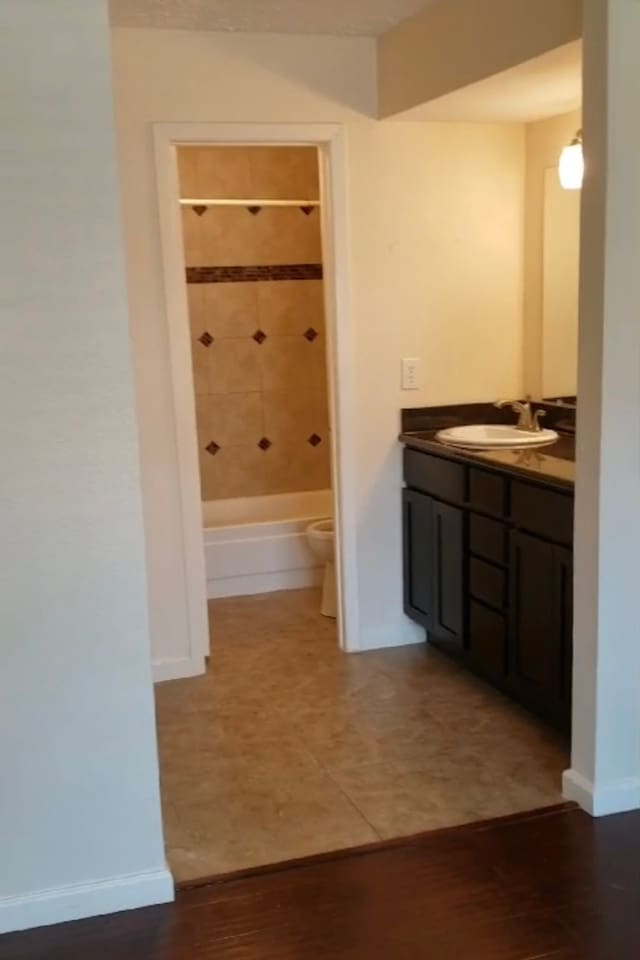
[{"x": 285, "y": 271}]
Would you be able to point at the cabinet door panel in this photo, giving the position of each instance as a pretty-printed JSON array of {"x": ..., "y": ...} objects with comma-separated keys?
[
  {"x": 563, "y": 568},
  {"x": 418, "y": 555},
  {"x": 536, "y": 648},
  {"x": 447, "y": 620}
]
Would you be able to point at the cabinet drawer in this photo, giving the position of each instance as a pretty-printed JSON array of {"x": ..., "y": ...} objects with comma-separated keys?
[
  {"x": 487, "y": 641},
  {"x": 488, "y": 583},
  {"x": 488, "y": 492},
  {"x": 435, "y": 476},
  {"x": 544, "y": 512},
  {"x": 488, "y": 538}
]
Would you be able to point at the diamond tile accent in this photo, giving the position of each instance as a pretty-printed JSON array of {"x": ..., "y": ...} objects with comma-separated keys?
[
  {"x": 307, "y": 210},
  {"x": 314, "y": 440},
  {"x": 212, "y": 448},
  {"x": 206, "y": 339},
  {"x": 311, "y": 334},
  {"x": 200, "y": 209},
  {"x": 254, "y": 211},
  {"x": 259, "y": 336},
  {"x": 264, "y": 443}
]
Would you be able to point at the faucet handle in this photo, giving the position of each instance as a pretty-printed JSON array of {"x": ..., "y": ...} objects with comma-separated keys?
[{"x": 536, "y": 417}]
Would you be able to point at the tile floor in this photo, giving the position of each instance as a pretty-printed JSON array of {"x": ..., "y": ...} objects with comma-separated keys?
[{"x": 288, "y": 747}]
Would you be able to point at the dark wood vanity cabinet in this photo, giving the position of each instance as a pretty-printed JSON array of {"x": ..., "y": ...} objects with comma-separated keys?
[
  {"x": 488, "y": 573},
  {"x": 434, "y": 567}
]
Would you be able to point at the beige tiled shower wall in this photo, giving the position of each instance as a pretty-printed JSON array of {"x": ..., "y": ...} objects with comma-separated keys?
[{"x": 258, "y": 347}]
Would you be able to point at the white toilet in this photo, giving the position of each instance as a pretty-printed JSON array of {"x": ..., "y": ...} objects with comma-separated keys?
[{"x": 321, "y": 540}]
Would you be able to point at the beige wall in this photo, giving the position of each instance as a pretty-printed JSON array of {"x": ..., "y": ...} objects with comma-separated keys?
[
  {"x": 435, "y": 216},
  {"x": 544, "y": 143},
  {"x": 258, "y": 345},
  {"x": 80, "y": 828},
  {"x": 454, "y": 43}
]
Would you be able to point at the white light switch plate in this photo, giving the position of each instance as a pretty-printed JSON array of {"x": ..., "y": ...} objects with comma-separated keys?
[{"x": 411, "y": 373}]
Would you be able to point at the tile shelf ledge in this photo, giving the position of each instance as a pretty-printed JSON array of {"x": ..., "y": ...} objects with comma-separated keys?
[{"x": 213, "y": 202}]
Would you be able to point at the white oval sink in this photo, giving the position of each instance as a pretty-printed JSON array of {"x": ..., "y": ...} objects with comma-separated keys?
[{"x": 496, "y": 435}]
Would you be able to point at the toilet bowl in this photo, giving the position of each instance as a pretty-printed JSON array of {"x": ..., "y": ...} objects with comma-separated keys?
[{"x": 320, "y": 536}]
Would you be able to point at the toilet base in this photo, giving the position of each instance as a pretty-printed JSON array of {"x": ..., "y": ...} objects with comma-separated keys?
[{"x": 329, "y": 605}]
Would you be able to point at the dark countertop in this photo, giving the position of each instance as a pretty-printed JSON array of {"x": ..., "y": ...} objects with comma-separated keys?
[{"x": 554, "y": 464}]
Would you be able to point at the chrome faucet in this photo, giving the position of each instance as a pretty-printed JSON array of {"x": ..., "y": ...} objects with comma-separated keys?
[{"x": 528, "y": 420}]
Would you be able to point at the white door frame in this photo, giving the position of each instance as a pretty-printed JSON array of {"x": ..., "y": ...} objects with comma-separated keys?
[{"x": 329, "y": 138}]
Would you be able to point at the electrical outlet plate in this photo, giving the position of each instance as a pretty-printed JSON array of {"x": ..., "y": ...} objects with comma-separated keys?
[{"x": 411, "y": 373}]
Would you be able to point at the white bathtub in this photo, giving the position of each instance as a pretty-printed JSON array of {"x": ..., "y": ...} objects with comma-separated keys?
[{"x": 258, "y": 544}]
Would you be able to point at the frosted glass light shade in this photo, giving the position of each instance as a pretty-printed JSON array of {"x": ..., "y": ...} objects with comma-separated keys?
[{"x": 571, "y": 166}]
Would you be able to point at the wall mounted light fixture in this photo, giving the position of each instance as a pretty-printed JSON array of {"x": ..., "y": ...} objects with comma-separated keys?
[{"x": 571, "y": 166}]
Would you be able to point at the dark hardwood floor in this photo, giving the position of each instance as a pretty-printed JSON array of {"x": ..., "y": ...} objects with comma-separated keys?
[{"x": 552, "y": 884}]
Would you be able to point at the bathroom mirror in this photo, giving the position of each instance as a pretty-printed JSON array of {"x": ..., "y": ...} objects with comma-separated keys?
[{"x": 561, "y": 262}]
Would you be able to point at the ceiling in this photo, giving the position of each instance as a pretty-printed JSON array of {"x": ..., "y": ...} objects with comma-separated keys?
[
  {"x": 544, "y": 87},
  {"x": 336, "y": 17}
]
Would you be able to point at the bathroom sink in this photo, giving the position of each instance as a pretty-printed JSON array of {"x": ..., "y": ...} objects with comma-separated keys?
[{"x": 496, "y": 435}]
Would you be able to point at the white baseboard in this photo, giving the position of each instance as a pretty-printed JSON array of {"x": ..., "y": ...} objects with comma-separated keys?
[
  {"x": 76, "y": 901},
  {"x": 249, "y": 584},
  {"x": 399, "y": 634},
  {"x": 178, "y": 669},
  {"x": 601, "y": 801}
]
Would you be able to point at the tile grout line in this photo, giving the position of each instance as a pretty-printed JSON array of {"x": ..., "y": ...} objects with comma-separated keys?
[
  {"x": 353, "y": 804},
  {"x": 329, "y": 776}
]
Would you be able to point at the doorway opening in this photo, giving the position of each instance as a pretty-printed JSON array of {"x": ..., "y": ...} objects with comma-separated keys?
[
  {"x": 252, "y": 242},
  {"x": 285, "y": 746}
]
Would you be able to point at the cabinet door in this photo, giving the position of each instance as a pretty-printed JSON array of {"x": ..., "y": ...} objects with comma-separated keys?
[
  {"x": 446, "y": 624},
  {"x": 418, "y": 555},
  {"x": 563, "y": 569},
  {"x": 540, "y": 618}
]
